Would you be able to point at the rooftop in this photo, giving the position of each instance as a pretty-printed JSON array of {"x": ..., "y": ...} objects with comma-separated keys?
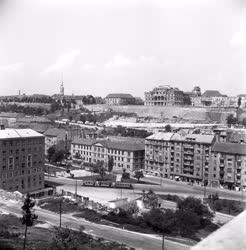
[
  {"x": 211, "y": 93},
  {"x": 197, "y": 138},
  {"x": 130, "y": 145},
  {"x": 230, "y": 148},
  {"x": 18, "y": 133},
  {"x": 53, "y": 132},
  {"x": 161, "y": 136},
  {"x": 119, "y": 95}
]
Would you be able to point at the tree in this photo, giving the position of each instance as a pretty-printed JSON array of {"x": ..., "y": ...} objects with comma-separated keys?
[
  {"x": 58, "y": 156},
  {"x": 239, "y": 102},
  {"x": 150, "y": 199},
  {"x": 51, "y": 151},
  {"x": 194, "y": 205},
  {"x": 168, "y": 128},
  {"x": 99, "y": 168},
  {"x": 28, "y": 217},
  {"x": 125, "y": 175},
  {"x": 131, "y": 208},
  {"x": 231, "y": 119},
  {"x": 138, "y": 175},
  {"x": 244, "y": 122},
  {"x": 188, "y": 222},
  {"x": 110, "y": 163}
]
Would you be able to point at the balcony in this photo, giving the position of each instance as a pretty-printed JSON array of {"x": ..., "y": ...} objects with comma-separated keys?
[
  {"x": 188, "y": 152},
  {"x": 188, "y": 146},
  {"x": 188, "y": 158},
  {"x": 189, "y": 163},
  {"x": 221, "y": 172}
]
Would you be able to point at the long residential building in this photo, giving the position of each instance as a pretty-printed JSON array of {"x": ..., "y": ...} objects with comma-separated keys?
[
  {"x": 21, "y": 160},
  {"x": 172, "y": 155},
  {"x": 127, "y": 155},
  {"x": 228, "y": 166}
]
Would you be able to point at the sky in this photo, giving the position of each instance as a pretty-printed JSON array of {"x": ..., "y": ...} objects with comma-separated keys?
[{"x": 113, "y": 46}]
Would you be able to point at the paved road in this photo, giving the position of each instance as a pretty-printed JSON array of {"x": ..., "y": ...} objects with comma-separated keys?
[
  {"x": 168, "y": 186},
  {"x": 132, "y": 239}
]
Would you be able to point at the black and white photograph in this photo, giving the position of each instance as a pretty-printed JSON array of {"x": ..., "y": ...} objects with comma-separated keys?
[{"x": 122, "y": 124}]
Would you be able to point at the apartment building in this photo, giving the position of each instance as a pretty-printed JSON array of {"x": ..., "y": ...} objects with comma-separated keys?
[
  {"x": 228, "y": 165},
  {"x": 21, "y": 160},
  {"x": 177, "y": 156},
  {"x": 164, "y": 96},
  {"x": 127, "y": 155}
]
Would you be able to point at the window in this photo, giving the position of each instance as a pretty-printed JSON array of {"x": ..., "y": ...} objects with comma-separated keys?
[{"x": 11, "y": 162}]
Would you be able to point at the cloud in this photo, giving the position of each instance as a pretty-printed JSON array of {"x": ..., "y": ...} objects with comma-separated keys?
[
  {"x": 119, "y": 60},
  {"x": 63, "y": 61},
  {"x": 88, "y": 67},
  {"x": 14, "y": 67}
]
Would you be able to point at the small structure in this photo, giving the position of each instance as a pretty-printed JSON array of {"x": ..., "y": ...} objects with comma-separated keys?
[{"x": 117, "y": 203}]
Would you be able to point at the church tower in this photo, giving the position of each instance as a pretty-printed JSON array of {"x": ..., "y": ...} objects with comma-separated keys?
[{"x": 62, "y": 89}]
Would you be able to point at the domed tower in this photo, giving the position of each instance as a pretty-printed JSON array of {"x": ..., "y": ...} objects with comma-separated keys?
[{"x": 197, "y": 91}]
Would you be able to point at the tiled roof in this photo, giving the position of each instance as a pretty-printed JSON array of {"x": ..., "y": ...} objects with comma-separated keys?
[
  {"x": 53, "y": 132},
  {"x": 18, "y": 133},
  {"x": 230, "y": 148},
  {"x": 120, "y": 145},
  {"x": 83, "y": 141},
  {"x": 211, "y": 93},
  {"x": 119, "y": 95}
]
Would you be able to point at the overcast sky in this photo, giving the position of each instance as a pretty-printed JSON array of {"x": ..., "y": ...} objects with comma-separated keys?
[{"x": 104, "y": 46}]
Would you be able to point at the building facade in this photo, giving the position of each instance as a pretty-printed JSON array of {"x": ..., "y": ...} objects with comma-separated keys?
[
  {"x": 228, "y": 165},
  {"x": 119, "y": 99},
  {"x": 164, "y": 96},
  {"x": 172, "y": 155},
  {"x": 21, "y": 160},
  {"x": 55, "y": 137},
  {"x": 127, "y": 155}
]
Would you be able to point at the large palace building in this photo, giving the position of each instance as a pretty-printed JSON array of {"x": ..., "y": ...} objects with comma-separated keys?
[{"x": 164, "y": 96}]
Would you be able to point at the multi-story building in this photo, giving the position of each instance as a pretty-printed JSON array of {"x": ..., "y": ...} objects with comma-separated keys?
[
  {"x": 172, "y": 155},
  {"x": 119, "y": 99},
  {"x": 21, "y": 160},
  {"x": 228, "y": 165},
  {"x": 164, "y": 96},
  {"x": 127, "y": 155},
  {"x": 213, "y": 98},
  {"x": 55, "y": 137}
]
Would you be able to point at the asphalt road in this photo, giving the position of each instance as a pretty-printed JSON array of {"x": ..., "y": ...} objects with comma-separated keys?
[
  {"x": 165, "y": 186},
  {"x": 132, "y": 239}
]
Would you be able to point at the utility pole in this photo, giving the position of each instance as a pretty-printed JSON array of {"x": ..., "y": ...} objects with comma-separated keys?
[
  {"x": 162, "y": 246},
  {"x": 76, "y": 187},
  {"x": 60, "y": 211}
]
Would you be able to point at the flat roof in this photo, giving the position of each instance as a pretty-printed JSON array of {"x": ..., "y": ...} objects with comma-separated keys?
[{"x": 18, "y": 133}]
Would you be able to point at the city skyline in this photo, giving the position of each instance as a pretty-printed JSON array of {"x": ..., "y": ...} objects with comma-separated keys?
[{"x": 121, "y": 46}]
